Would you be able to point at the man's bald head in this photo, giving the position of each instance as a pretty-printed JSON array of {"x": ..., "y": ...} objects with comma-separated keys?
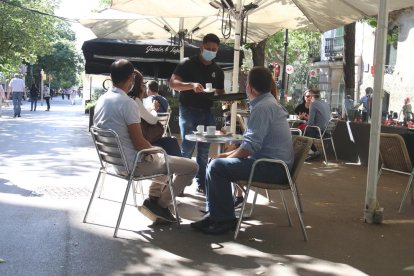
[{"x": 120, "y": 70}]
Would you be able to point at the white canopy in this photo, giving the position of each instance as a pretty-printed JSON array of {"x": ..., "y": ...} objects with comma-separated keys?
[{"x": 314, "y": 15}]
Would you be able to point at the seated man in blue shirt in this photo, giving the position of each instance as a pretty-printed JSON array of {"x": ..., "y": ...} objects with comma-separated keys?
[
  {"x": 267, "y": 136},
  {"x": 153, "y": 96}
]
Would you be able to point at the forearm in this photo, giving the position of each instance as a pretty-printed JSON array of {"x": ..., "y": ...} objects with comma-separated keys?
[
  {"x": 240, "y": 153},
  {"x": 180, "y": 85}
]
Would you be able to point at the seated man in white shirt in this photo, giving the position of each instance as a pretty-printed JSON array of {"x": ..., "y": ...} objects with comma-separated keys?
[{"x": 115, "y": 110}]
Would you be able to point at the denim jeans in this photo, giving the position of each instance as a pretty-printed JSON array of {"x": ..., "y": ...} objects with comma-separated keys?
[
  {"x": 17, "y": 101},
  {"x": 222, "y": 172},
  {"x": 33, "y": 103},
  {"x": 189, "y": 119}
]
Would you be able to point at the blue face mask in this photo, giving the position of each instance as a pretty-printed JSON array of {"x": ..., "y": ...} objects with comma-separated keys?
[{"x": 208, "y": 55}]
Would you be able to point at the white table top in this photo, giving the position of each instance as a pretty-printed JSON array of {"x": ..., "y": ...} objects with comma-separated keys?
[{"x": 234, "y": 138}]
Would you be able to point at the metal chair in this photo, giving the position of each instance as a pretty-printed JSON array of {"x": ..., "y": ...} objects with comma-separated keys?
[
  {"x": 111, "y": 153},
  {"x": 395, "y": 158},
  {"x": 296, "y": 131},
  {"x": 325, "y": 135},
  {"x": 164, "y": 119},
  {"x": 301, "y": 146}
]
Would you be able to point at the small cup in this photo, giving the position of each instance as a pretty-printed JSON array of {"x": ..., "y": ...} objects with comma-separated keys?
[
  {"x": 211, "y": 130},
  {"x": 209, "y": 86},
  {"x": 200, "y": 128}
]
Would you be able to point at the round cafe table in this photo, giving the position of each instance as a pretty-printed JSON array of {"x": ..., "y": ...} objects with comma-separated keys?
[{"x": 219, "y": 138}]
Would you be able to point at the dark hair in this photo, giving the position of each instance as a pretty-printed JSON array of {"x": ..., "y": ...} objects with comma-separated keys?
[
  {"x": 315, "y": 93},
  {"x": 120, "y": 70},
  {"x": 137, "y": 91},
  {"x": 260, "y": 79},
  {"x": 153, "y": 86},
  {"x": 211, "y": 38}
]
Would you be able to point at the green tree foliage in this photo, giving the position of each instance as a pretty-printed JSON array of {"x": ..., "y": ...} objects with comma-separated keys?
[
  {"x": 301, "y": 48},
  {"x": 25, "y": 34},
  {"x": 64, "y": 64}
]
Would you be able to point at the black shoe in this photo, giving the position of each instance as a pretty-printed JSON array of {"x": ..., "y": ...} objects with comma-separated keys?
[
  {"x": 238, "y": 202},
  {"x": 220, "y": 227},
  {"x": 155, "y": 212},
  {"x": 313, "y": 156},
  {"x": 199, "y": 225},
  {"x": 19, "y": 116}
]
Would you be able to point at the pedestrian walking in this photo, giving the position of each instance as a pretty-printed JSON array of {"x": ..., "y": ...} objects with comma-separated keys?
[
  {"x": 17, "y": 89},
  {"x": 46, "y": 95},
  {"x": 34, "y": 95}
]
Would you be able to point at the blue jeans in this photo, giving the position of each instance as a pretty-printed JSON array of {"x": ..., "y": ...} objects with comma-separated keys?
[
  {"x": 17, "y": 101},
  {"x": 222, "y": 171},
  {"x": 189, "y": 119},
  {"x": 33, "y": 102}
]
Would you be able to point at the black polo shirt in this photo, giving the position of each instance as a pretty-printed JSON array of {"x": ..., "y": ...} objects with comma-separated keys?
[{"x": 193, "y": 70}]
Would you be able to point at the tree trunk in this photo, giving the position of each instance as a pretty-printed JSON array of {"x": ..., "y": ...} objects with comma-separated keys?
[
  {"x": 258, "y": 51},
  {"x": 349, "y": 59}
]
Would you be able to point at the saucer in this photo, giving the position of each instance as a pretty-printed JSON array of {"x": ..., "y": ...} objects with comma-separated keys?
[{"x": 209, "y": 91}]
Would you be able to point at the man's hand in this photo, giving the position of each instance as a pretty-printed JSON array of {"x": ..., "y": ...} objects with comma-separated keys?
[
  {"x": 155, "y": 105},
  {"x": 303, "y": 116},
  {"x": 198, "y": 88}
]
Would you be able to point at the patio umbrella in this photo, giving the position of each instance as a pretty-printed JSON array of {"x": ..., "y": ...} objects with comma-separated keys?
[
  {"x": 319, "y": 15},
  {"x": 153, "y": 57},
  {"x": 123, "y": 25}
]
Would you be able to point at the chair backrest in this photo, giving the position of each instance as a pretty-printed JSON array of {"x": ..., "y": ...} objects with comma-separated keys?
[
  {"x": 164, "y": 119},
  {"x": 394, "y": 154},
  {"x": 330, "y": 127},
  {"x": 301, "y": 146},
  {"x": 108, "y": 147}
]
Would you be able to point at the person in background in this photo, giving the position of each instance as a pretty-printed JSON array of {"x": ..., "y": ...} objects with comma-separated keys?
[
  {"x": 2, "y": 97},
  {"x": 46, "y": 96},
  {"x": 302, "y": 109},
  {"x": 154, "y": 96},
  {"x": 349, "y": 108},
  {"x": 366, "y": 104},
  {"x": 17, "y": 88},
  {"x": 115, "y": 110},
  {"x": 267, "y": 136},
  {"x": 407, "y": 111},
  {"x": 34, "y": 95},
  {"x": 190, "y": 78},
  {"x": 319, "y": 115}
]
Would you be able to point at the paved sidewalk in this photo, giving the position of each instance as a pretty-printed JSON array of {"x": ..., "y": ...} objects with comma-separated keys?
[{"x": 48, "y": 166}]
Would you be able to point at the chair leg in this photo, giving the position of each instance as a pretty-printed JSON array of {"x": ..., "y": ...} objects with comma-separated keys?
[
  {"x": 121, "y": 212},
  {"x": 407, "y": 190},
  {"x": 324, "y": 152},
  {"x": 246, "y": 195},
  {"x": 333, "y": 147},
  {"x": 134, "y": 192},
  {"x": 101, "y": 187},
  {"x": 286, "y": 208},
  {"x": 93, "y": 195},
  {"x": 302, "y": 224},
  {"x": 299, "y": 199},
  {"x": 268, "y": 197},
  {"x": 174, "y": 201}
]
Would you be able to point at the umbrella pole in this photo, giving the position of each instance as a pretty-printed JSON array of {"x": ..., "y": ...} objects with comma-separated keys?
[
  {"x": 181, "y": 37},
  {"x": 235, "y": 86},
  {"x": 372, "y": 212}
]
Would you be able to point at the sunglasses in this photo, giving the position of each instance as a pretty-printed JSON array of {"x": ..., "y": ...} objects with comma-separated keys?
[{"x": 308, "y": 96}]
